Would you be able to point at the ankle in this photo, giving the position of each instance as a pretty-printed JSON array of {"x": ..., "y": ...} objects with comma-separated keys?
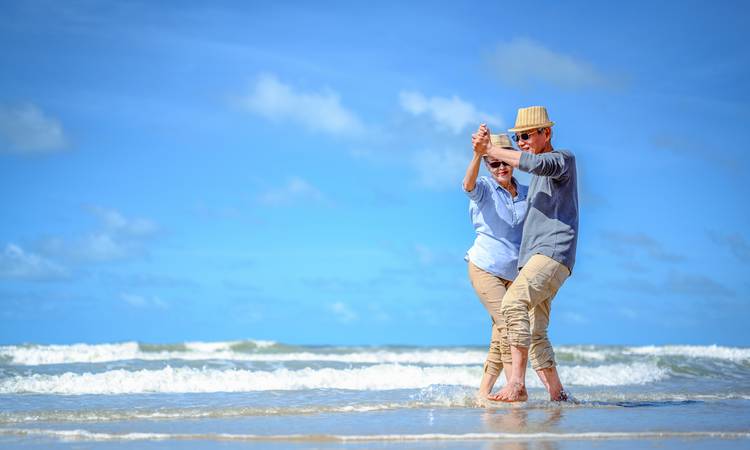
[{"x": 560, "y": 396}]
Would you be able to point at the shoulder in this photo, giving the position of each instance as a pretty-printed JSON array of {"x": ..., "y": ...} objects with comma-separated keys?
[
  {"x": 567, "y": 154},
  {"x": 481, "y": 187},
  {"x": 484, "y": 183}
]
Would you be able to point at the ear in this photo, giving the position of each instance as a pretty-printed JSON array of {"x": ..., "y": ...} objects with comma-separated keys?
[{"x": 548, "y": 133}]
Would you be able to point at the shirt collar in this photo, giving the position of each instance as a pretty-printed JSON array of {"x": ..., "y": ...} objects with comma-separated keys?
[{"x": 520, "y": 188}]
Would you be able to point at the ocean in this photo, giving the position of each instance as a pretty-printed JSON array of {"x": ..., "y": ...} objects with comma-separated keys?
[{"x": 264, "y": 394}]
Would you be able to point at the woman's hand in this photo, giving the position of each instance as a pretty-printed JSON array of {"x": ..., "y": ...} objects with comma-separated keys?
[{"x": 481, "y": 140}]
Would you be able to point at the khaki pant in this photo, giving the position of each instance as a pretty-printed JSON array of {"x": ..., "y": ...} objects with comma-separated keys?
[
  {"x": 491, "y": 289},
  {"x": 526, "y": 307}
]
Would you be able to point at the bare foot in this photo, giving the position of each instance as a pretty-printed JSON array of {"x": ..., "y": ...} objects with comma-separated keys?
[
  {"x": 562, "y": 396},
  {"x": 480, "y": 399},
  {"x": 512, "y": 392}
]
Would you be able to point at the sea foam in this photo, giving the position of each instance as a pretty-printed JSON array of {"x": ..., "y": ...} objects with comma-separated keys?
[
  {"x": 202, "y": 351},
  {"x": 693, "y": 351},
  {"x": 376, "y": 377}
]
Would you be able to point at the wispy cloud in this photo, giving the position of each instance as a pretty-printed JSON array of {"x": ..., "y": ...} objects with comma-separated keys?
[
  {"x": 676, "y": 283},
  {"x": 628, "y": 313},
  {"x": 511, "y": 62},
  {"x": 295, "y": 191},
  {"x": 697, "y": 286},
  {"x": 318, "y": 111},
  {"x": 17, "y": 263},
  {"x": 694, "y": 147},
  {"x": 149, "y": 280},
  {"x": 142, "y": 301},
  {"x": 27, "y": 130},
  {"x": 574, "y": 318},
  {"x": 343, "y": 312},
  {"x": 734, "y": 242},
  {"x": 116, "y": 223},
  {"x": 448, "y": 113},
  {"x": 622, "y": 243},
  {"x": 119, "y": 237},
  {"x": 440, "y": 169}
]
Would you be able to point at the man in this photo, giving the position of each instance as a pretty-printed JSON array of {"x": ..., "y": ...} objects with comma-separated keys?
[{"x": 548, "y": 248}]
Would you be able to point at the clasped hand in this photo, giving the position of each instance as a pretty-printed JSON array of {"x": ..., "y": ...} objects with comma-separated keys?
[{"x": 481, "y": 140}]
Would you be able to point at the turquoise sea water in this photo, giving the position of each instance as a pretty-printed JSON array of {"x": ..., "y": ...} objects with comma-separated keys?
[{"x": 264, "y": 394}]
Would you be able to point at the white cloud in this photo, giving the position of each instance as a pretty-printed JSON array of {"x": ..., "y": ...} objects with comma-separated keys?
[
  {"x": 574, "y": 318},
  {"x": 115, "y": 222},
  {"x": 28, "y": 130},
  {"x": 343, "y": 312},
  {"x": 140, "y": 301},
  {"x": 16, "y": 263},
  {"x": 118, "y": 238},
  {"x": 440, "y": 169},
  {"x": 296, "y": 190},
  {"x": 317, "y": 111},
  {"x": 452, "y": 114},
  {"x": 522, "y": 60}
]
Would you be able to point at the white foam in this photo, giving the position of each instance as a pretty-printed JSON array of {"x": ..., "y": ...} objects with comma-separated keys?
[
  {"x": 693, "y": 351},
  {"x": 84, "y": 435},
  {"x": 201, "y": 351},
  {"x": 585, "y": 352},
  {"x": 376, "y": 377},
  {"x": 199, "y": 413},
  {"x": 34, "y": 355},
  {"x": 612, "y": 374}
]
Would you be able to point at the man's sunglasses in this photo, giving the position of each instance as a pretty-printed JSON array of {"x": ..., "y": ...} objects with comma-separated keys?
[
  {"x": 496, "y": 164},
  {"x": 524, "y": 136}
]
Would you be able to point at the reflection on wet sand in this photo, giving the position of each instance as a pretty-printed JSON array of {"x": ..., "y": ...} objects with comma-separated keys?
[{"x": 517, "y": 420}]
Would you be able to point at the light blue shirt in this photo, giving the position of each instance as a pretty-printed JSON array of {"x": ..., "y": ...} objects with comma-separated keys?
[{"x": 498, "y": 221}]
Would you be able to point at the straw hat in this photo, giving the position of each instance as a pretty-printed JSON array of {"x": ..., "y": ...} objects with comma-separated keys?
[
  {"x": 501, "y": 140},
  {"x": 531, "y": 118}
]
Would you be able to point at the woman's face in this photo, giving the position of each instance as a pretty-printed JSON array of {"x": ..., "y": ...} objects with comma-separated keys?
[{"x": 501, "y": 171}]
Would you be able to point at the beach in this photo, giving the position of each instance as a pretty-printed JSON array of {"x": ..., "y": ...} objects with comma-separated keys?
[{"x": 264, "y": 394}]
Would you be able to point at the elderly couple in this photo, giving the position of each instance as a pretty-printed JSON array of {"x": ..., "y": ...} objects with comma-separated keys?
[{"x": 524, "y": 249}]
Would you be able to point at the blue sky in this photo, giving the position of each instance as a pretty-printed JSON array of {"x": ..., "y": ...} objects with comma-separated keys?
[{"x": 291, "y": 171}]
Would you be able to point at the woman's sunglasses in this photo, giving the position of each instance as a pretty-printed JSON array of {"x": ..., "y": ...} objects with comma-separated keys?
[
  {"x": 524, "y": 136},
  {"x": 496, "y": 164}
]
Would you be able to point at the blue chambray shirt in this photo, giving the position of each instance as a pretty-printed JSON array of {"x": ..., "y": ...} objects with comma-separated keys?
[{"x": 498, "y": 221}]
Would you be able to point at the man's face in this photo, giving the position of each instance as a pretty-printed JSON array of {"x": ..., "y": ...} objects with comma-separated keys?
[{"x": 535, "y": 140}]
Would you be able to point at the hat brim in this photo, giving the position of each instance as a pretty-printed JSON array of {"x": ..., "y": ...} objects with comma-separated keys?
[{"x": 531, "y": 127}]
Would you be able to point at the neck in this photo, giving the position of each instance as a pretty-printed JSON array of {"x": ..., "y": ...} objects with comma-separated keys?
[{"x": 508, "y": 186}]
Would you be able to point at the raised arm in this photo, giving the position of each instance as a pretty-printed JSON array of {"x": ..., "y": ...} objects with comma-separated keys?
[
  {"x": 512, "y": 157},
  {"x": 480, "y": 148},
  {"x": 551, "y": 164},
  {"x": 470, "y": 179}
]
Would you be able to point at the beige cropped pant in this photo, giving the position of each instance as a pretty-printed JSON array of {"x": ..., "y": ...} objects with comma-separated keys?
[
  {"x": 527, "y": 305},
  {"x": 491, "y": 289}
]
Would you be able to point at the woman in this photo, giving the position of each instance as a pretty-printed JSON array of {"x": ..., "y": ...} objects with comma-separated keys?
[{"x": 498, "y": 209}]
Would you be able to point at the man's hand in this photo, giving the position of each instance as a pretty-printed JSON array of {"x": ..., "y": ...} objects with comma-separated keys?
[{"x": 481, "y": 140}]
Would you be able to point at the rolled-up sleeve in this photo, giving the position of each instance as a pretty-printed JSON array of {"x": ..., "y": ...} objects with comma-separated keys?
[
  {"x": 553, "y": 164},
  {"x": 480, "y": 190}
]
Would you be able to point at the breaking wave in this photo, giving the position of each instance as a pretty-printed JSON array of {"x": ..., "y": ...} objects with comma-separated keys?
[{"x": 376, "y": 377}]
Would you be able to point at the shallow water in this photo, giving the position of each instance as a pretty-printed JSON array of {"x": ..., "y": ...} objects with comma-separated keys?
[{"x": 261, "y": 394}]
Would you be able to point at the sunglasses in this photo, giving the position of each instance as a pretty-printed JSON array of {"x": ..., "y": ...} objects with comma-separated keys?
[
  {"x": 524, "y": 136},
  {"x": 496, "y": 164}
]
